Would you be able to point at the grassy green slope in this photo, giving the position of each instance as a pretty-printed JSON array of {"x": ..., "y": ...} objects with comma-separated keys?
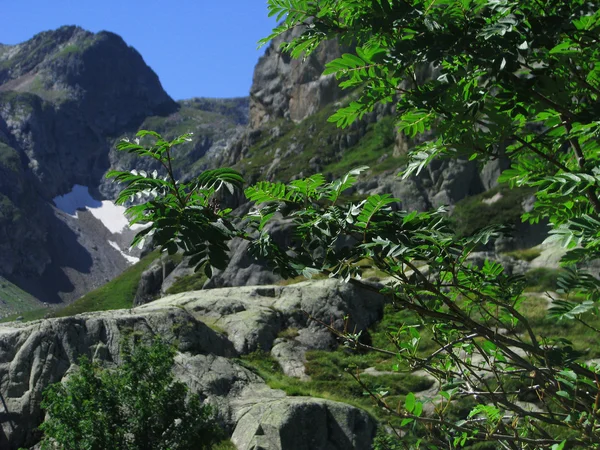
[
  {"x": 116, "y": 294},
  {"x": 297, "y": 144},
  {"x": 15, "y": 300}
]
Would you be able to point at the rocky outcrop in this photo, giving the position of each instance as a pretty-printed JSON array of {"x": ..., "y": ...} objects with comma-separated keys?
[
  {"x": 300, "y": 423},
  {"x": 34, "y": 356},
  {"x": 152, "y": 280},
  {"x": 245, "y": 269},
  {"x": 292, "y": 89},
  {"x": 209, "y": 328},
  {"x": 253, "y": 316},
  {"x": 443, "y": 183}
]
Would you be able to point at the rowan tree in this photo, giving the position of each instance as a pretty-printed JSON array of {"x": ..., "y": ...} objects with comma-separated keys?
[{"x": 516, "y": 79}]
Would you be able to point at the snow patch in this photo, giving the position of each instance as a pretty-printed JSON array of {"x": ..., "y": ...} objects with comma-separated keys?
[
  {"x": 131, "y": 259},
  {"x": 112, "y": 216}
]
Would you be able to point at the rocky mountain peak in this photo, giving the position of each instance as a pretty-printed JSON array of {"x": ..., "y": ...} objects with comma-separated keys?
[
  {"x": 107, "y": 80},
  {"x": 18, "y": 60},
  {"x": 65, "y": 97},
  {"x": 63, "y": 92}
]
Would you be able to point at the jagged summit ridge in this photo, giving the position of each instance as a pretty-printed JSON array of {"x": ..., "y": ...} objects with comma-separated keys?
[
  {"x": 107, "y": 79},
  {"x": 19, "y": 59}
]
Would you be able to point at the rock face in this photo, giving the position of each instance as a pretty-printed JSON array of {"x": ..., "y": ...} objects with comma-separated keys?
[
  {"x": 293, "y": 89},
  {"x": 18, "y": 209},
  {"x": 253, "y": 316},
  {"x": 88, "y": 264},
  {"x": 152, "y": 279},
  {"x": 246, "y": 270},
  {"x": 442, "y": 183},
  {"x": 36, "y": 355},
  {"x": 209, "y": 327}
]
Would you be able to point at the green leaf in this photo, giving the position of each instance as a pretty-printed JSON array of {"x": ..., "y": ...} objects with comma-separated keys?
[
  {"x": 560, "y": 446},
  {"x": 565, "y": 48},
  {"x": 347, "y": 181},
  {"x": 143, "y": 133},
  {"x": 409, "y": 402},
  {"x": 371, "y": 206},
  {"x": 415, "y": 122},
  {"x": 406, "y": 421}
]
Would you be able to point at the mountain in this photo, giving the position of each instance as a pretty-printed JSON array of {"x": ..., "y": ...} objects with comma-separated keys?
[
  {"x": 289, "y": 137},
  {"x": 63, "y": 92},
  {"x": 66, "y": 97}
]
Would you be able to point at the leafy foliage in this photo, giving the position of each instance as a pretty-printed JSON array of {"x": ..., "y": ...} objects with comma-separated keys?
[
  {"x": 177, "y": 214},
  {"x": 520, "y": 79},
  {"x": 510, "y": 78},
  {"x": 135, "y": 406}
]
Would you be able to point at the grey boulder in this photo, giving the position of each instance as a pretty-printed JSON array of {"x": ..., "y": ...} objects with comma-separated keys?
[{"x": 303, "y": 423}]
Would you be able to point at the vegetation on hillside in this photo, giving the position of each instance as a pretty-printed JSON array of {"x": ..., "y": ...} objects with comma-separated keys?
[
  {"x": 8, "y": 211},
  {"x": 516, "y": 77},
  {"x": 235, "y": 109},
  {"x": 21, "y": 102},
  {"x": 498, "y": 206},
  {"x": 9, "y": 158},
  {"x": 192, "y": 282},
  {"x": 14, "y": 299},
  {"x": 116, "y": 294},
  {"x": 317, "y": 145}
]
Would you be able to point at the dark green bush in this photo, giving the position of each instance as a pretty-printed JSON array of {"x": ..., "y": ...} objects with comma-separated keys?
[{"x": 136, "y": 406}]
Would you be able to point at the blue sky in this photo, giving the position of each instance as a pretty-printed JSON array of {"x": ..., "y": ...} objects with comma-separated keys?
[{"x": 198, "y": 48}]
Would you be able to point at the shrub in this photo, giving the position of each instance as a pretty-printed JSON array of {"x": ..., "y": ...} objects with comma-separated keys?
[{"x": 135, "y": 406}]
